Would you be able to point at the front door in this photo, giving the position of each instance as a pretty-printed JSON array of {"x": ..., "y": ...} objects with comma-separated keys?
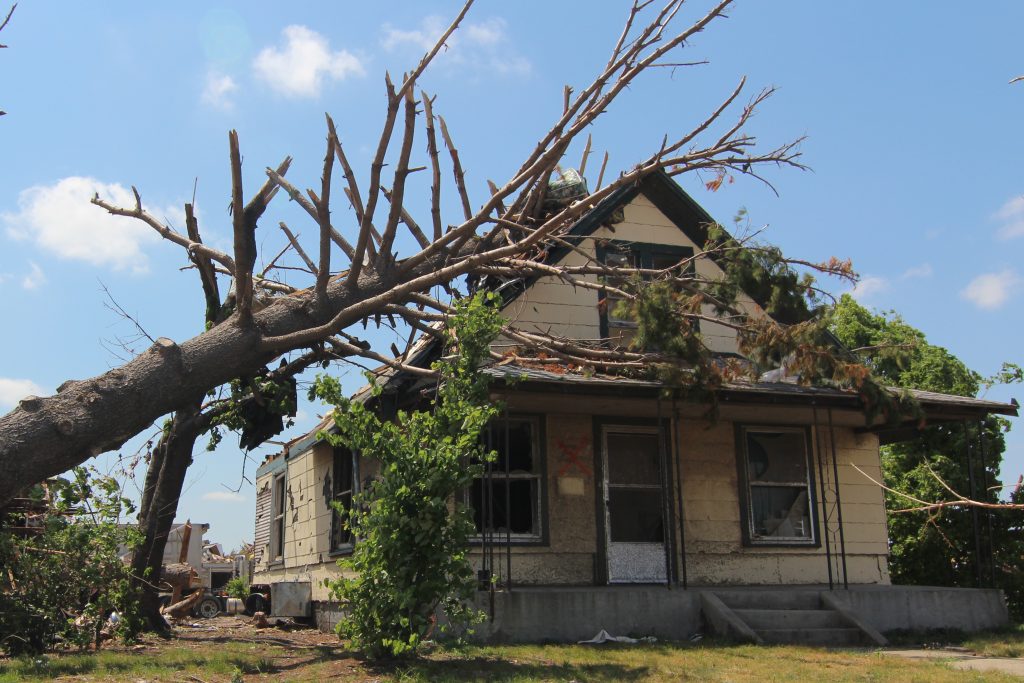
[{"x": 634, "y": 504}]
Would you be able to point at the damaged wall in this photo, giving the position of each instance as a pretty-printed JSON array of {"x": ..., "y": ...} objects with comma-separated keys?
[{"x": 706, "y": 453}]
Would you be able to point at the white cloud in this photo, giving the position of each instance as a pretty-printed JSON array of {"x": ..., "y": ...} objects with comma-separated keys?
[
  {"x": 218, "y": 90},
  {"x": 60, "y": 219},
  {"x": 869, "y": 286},
  {"x": 224, "y": 497},
  {"x": 480, "y": 47},
  {"x": 991, "y": 290},
  {"x": 35, "y": 277},
  {"x": 1011, "y": 215},
  {"x": 301, "y": 67},
  {"x": 13, "y": 390},
  {"x": 921, "y": 271}
]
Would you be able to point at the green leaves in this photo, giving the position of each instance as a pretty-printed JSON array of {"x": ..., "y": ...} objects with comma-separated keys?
[
  {"x": 409, "y": 563},
  {"x": 936, "y": 547},
  {"x": 59, "y": 585}
]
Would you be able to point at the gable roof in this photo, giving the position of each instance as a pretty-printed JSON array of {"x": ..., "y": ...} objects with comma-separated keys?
[
  {"x": 673, "y": 201},
  {"x": 667, "y": 196},
  {"x": 686, "y": 214},
  {"x": 692, "y": 220}
]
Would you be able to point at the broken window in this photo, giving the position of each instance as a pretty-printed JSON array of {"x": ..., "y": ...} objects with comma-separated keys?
[
  {"x": 343, "y": 488},
  {"x": 507, "y": 498},
  {"x": 277, "y": 504},
  {"x": 617, "y": 326},
  {"x": 779, "y": 496}
]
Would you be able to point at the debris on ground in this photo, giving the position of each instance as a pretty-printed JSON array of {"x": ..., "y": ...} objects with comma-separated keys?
[
  {"x": 179, "y": 611},
  {"x": 605, "y": 637}
]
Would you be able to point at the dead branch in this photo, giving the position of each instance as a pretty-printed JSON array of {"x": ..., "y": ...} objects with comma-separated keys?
[
  {"x": 460, "y": 175},
  {"x": 298, "y": 248},
  {"x": 509, "y": 234},
  {"x": 959, "y": 500},
  {"x": 323, "y": 213},
  {"x": 384, "y": 258}
]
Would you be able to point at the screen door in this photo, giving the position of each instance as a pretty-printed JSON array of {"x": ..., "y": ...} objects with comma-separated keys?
[{"x": 634, "y": 504}]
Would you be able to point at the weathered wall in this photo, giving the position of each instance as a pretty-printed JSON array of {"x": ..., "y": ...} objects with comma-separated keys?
[
  {"x": 705, "y": 453},
  {"x": 307, "y": 553},
  {"x": 715, "y": 551},
  {"x": 568, "y": 557}
]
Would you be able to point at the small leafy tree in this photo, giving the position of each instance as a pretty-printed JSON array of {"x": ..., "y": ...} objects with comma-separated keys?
[
  {"x": 410, "y": 561},
  {"x": 61, "y": 584},
  {"x": 935, "y": 546},
  {"x": 238, "y": 587}
]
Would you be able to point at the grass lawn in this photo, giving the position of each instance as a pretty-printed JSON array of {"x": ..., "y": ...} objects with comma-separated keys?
[
  {"x": 303, "y": 656},
  {"x": 1008, "y": 642}
]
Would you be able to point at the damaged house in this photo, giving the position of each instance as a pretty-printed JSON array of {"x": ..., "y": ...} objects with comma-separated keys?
[{"x": 612, "y": 507}]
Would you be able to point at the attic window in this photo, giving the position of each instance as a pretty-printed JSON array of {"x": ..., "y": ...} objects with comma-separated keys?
[
  {"x": 616, "y": 327},
  {"x": 778, "y": 491}
]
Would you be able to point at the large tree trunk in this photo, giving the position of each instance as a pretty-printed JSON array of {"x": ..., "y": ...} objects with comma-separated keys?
[
  {"x": 164, "y": 481},
  {"x": 44, "y": 437}
]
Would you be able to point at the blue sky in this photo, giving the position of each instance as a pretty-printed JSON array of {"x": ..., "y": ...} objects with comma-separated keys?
[{"x": 913, "y": 134}]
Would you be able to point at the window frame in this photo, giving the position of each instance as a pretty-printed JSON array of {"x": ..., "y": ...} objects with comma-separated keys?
[
  {"x": 338, "y": 453},
  {"x": 646, "y": 252},
  {"x": 540, "y": 537},
  {"x": 278, "y": 496},
  {"x": 751, "y": 539}
]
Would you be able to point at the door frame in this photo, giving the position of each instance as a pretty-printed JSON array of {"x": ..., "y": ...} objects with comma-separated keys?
[{"x": 600, "y": 422}]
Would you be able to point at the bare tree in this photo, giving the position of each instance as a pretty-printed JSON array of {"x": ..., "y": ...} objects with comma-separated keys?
[
  {"x": 355, "y": 275},
  {"x": 3, "y": 25}
]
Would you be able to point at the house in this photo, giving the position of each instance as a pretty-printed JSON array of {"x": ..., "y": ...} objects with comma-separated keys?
[
  {"x": 213, "y": 567},
  {"x": 191, "y": 534},
  {"x": 611, "y": 507}
]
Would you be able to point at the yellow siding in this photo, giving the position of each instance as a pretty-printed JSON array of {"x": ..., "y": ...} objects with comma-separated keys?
[
  {"x": 551, "y": 305},
  {"x": 713, "y": 514},
  {"x": 705, "y": 458}
]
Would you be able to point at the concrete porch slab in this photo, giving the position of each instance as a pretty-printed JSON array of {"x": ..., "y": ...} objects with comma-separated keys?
[{"x": 557, "y": 614}]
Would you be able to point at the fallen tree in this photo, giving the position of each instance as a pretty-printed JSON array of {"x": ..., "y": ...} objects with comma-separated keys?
[{"x": 264, "y": 318}]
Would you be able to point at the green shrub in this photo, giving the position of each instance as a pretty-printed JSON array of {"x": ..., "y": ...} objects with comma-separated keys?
[
  {"x": 238, "y": 587},
  {"x": 410, "y": 562},
  {"x": 61, "y": 585}
]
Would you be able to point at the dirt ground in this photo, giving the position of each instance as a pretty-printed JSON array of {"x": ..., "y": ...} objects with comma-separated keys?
[{"x": 290, "y": 647}]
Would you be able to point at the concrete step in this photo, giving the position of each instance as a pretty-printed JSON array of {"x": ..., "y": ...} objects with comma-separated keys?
[
  {"x": 759, "y": 619},
  {"x": 770, "y": 599},
  {"x": 836, "y": 637}
]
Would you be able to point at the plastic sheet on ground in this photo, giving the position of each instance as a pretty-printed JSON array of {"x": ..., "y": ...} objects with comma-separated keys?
[{"x": 605, "y": 637}]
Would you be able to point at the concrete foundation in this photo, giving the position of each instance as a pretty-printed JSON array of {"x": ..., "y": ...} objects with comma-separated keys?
[
  {"x": 560, "y": 615},
  {"x": 921, "y": 608},
  {"x": 571, "y": 614}
]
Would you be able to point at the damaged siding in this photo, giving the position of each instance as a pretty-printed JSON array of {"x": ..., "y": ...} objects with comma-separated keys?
[{"x": 261, "y": 542}]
